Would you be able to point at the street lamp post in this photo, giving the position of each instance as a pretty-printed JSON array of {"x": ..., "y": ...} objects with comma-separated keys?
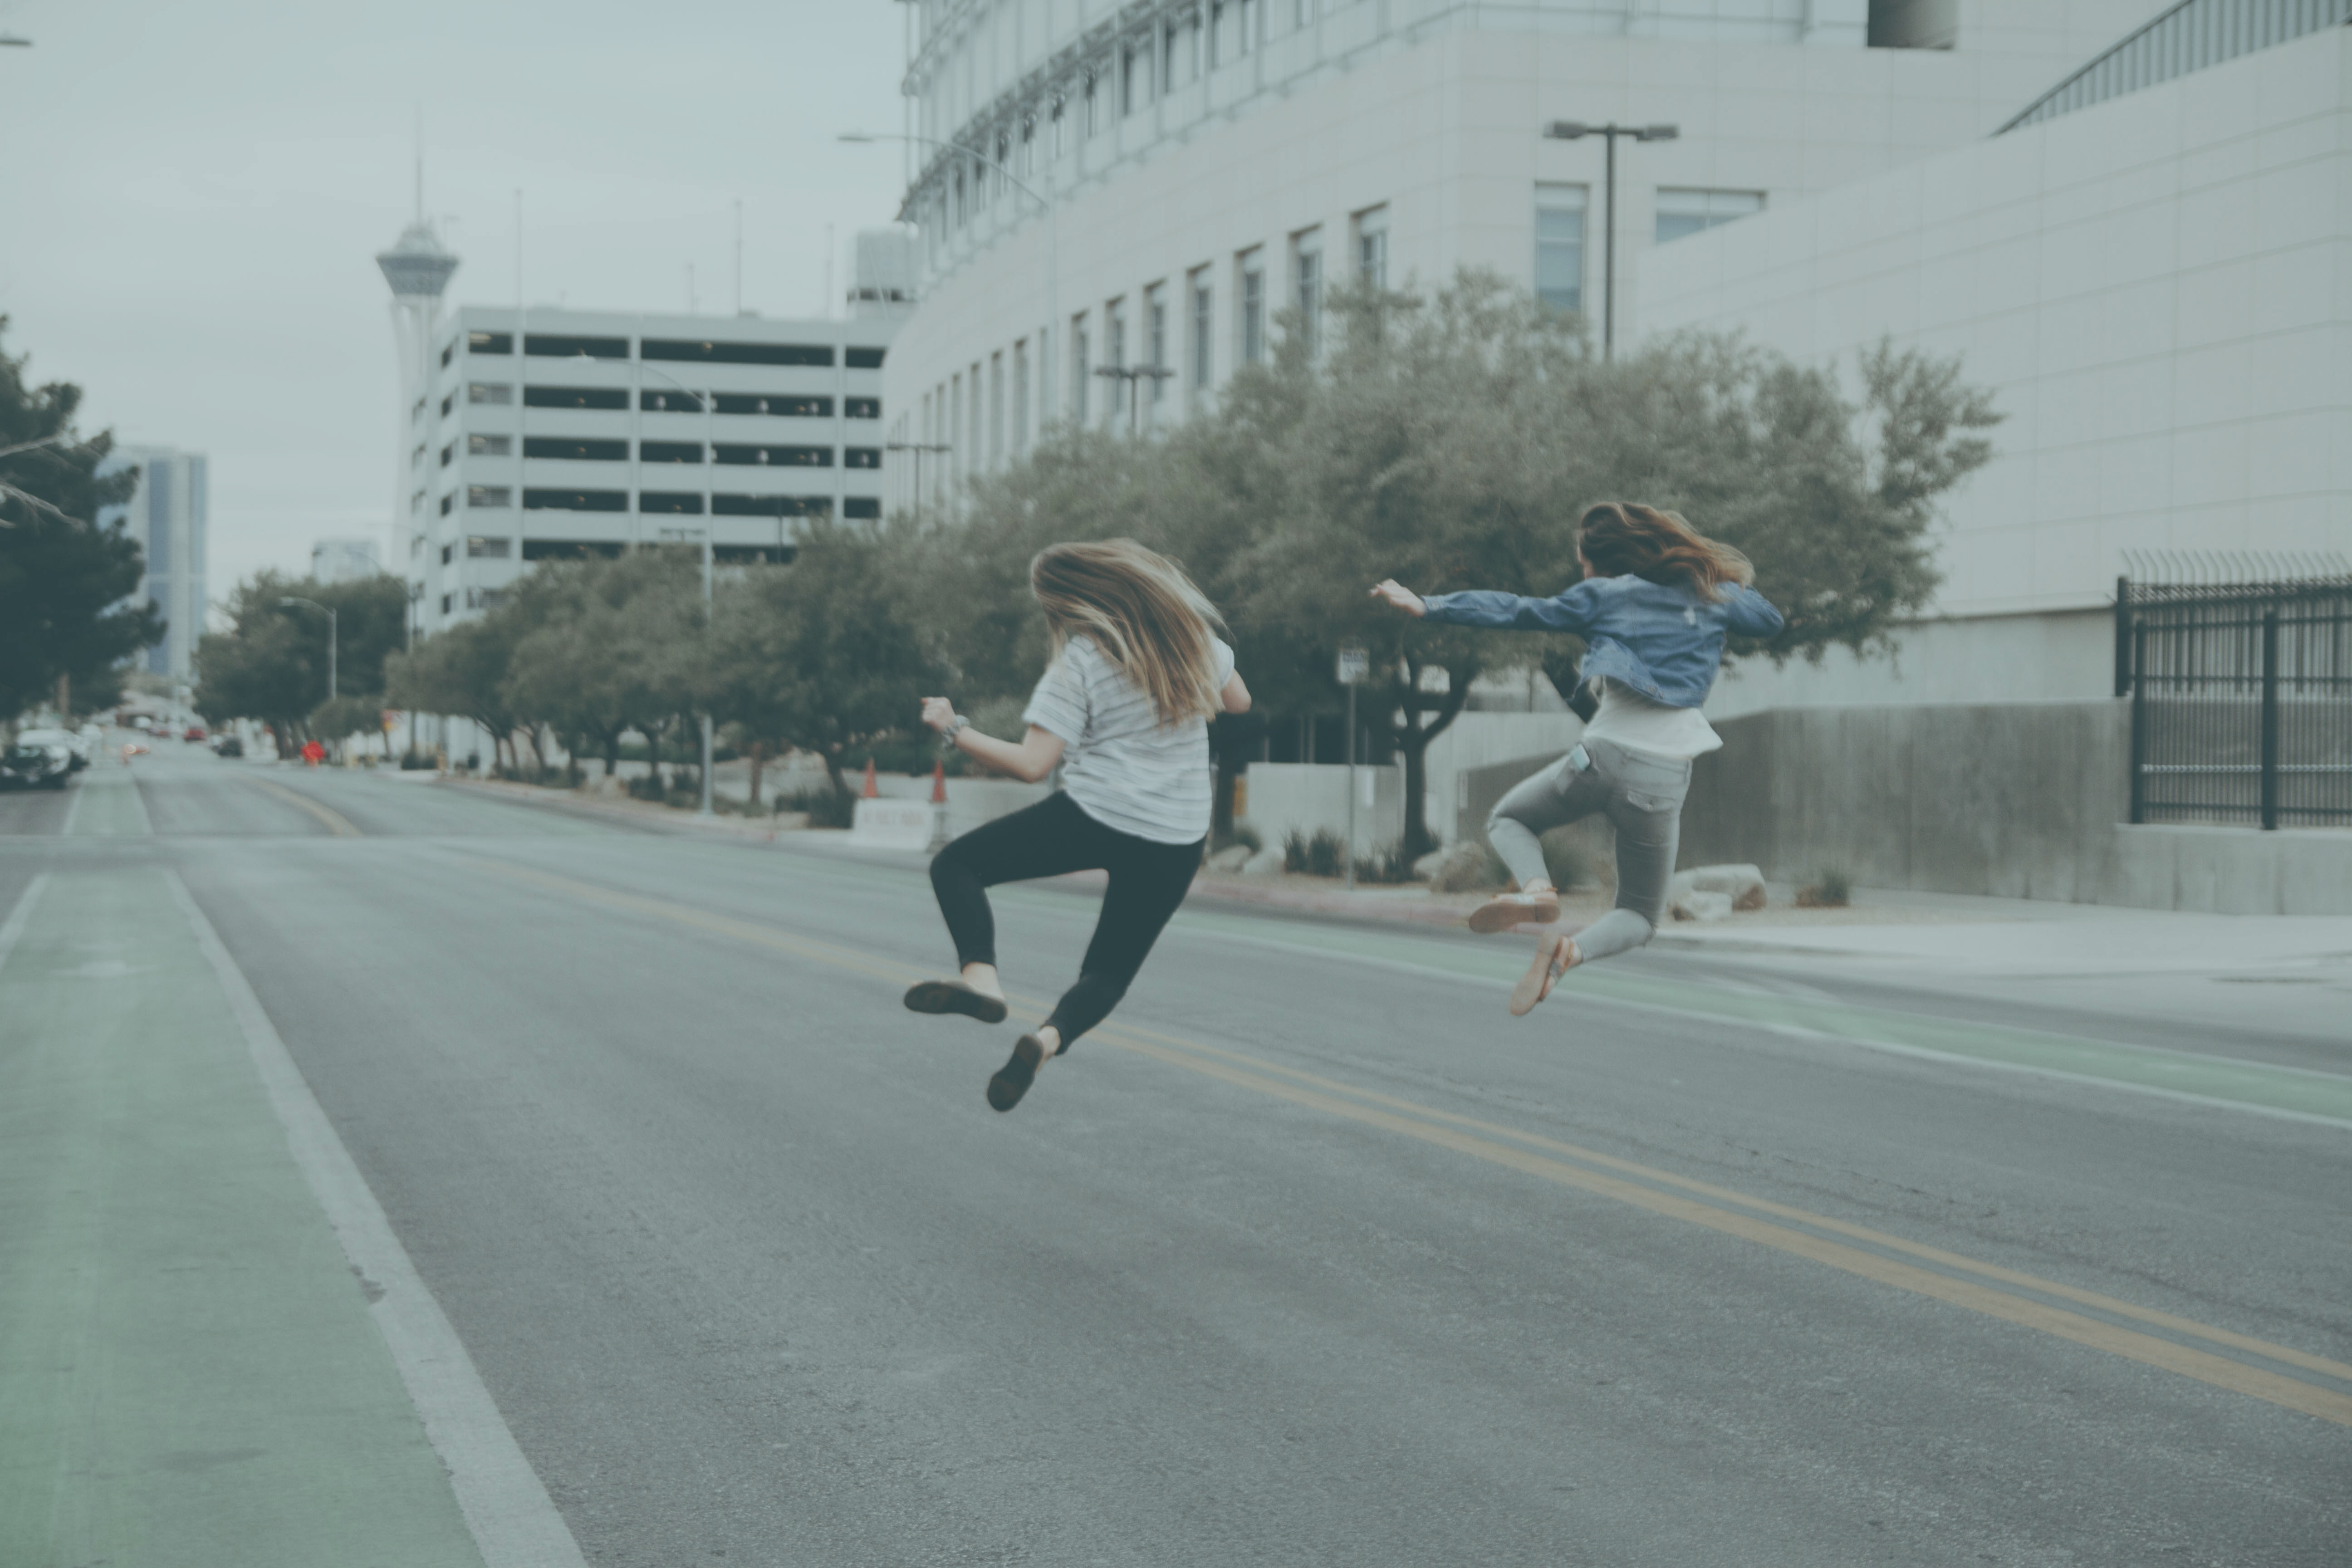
[
  {"x": 1053, "y": 236},
  {"x": 1571, "y": 131},
  {"x": 333, "y": 638},
  {"x": 918, "y": 448},
  {"x": 1129, "y": 375}
]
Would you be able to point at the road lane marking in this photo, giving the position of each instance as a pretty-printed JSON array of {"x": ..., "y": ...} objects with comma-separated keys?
[
  {"x": 514, "y": 1522},
  {"x": 2027, "y": 1300},
  {"x": 336, "y": 822},
  {"x": 12, "y": 931}
]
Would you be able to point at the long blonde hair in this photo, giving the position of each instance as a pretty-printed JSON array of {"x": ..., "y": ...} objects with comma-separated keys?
[
  {"x": 1625, "y": 539},
  {"x": 1141, "y": 610}
]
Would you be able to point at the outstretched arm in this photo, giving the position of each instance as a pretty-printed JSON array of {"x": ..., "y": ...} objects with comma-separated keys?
[
  {"x": 1749, "y": 613},
  {"x": 1031, "y": 760},
  {"x": 1235, "y": 697},
  {"x": 1567, "y": 611}
]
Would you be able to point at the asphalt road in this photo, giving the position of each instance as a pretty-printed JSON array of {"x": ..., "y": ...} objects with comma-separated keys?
[{"x": 1312, "y": 1255}]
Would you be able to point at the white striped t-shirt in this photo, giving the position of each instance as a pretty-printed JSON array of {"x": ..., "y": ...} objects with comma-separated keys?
[{"x": 1124, "y": 768}]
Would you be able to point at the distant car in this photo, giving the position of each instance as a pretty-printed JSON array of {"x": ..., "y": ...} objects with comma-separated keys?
[
  {"x": 228, "y": 746},
  {"x": 23, "y": 765},
  {"x": 193, "y": 732},
  {"x": 77, "y": 747}
]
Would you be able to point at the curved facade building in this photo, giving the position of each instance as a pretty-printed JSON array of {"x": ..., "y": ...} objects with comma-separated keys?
[{"x": 1104, "y": 185}]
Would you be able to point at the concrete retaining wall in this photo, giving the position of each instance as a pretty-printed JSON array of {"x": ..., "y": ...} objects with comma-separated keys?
[{"x": 1303, "y": 797}]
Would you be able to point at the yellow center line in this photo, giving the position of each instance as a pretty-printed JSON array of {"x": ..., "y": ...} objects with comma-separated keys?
[
  {"x": 1450, "y": 1131},
  {"x": 336, "y": 822}
]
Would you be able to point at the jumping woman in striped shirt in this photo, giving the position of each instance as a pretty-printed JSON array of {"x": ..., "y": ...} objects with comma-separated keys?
[{"x": 1124, "y": 708}]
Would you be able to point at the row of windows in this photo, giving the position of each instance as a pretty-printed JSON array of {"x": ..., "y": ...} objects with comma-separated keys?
[
  {"x": 590, "y": 449},
  {"x": 685, "y": 503},
  {"x": 1559, "y": 230},
  {"x": 691, "y": 351},
  {"x": 500, "y": 393}
]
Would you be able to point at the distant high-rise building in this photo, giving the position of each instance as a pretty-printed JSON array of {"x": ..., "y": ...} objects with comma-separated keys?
[
  {"x": 344, "y": 560},
  {"x": 166, "y": 515}
]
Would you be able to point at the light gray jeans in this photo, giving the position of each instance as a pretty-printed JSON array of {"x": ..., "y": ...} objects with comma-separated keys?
[{"x": 1643, "y": 795}]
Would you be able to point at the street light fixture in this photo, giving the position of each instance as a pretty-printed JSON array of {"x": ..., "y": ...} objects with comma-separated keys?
[
  {"x": 1574, "y": 130},
  {"x": 1129, "y": 375},
  {"x": 334, "y": 638}
]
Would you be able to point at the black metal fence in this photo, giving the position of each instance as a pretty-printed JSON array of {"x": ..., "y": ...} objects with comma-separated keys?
[{"x": 2241, "y": 701}]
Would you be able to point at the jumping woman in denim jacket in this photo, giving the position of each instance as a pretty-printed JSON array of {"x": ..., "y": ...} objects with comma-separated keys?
[{"x": 1657, "y": 598}]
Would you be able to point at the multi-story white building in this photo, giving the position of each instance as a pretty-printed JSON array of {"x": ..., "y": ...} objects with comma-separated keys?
[
  {"x": 1129, "y": 182},
  {"x": 556, "y": 434},
  {"x": 167, "y": 514}
]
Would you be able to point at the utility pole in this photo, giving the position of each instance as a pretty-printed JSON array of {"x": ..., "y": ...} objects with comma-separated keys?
[
  {"x": 1571, "y": 131},
  {"x": 1355, "y": 663}
]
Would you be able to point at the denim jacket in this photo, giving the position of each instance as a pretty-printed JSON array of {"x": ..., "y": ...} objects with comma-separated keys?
[{"x": 1665, "y": 643}]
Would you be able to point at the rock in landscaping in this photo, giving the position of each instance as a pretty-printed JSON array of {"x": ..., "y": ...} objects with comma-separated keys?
[
  {"x": 1701, "y": 906},
  {"x": 1231, "y": 858},
  {"x": 1267, "y": 862},
  {"x": 1742, "y": 885}
]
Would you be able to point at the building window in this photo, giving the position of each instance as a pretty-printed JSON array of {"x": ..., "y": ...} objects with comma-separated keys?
[
  {"x": 445, "y": 598},
  {"x": 774, "y": 405},
  {"x": 1155, "y": 336},
  {"x": 478, "y": 497},
  {"x": 489, "y": 446},
  {"x": 1682, "y": 212},
  {"x": 565, "y": 346},
  {"x": 777, "y": 457},
  {"x": 1060, "y": 145},
  {"x": 737, "y": 354},
  {"x": 485, "y": 599},
  {"x": 445, "y": 551},
  {"x": 772, "y": 506},
  {"x": 488, "y": 547},
  {"x": 861, "y": 457},
  {"x": 575, "y": 500},
  {"x": 995, "y": 410},
  {"x": 573, "y": 449},
  {"x": 668, "y": 403},
  {"x": 448, "y": 353},
  {"x": 1372, "y": 247},
  {"x": 417, "y": 458},
  {"x": 861, "y": 506},
  {"x": 489, "y": 343},
  {"x": 1028, "y": 145},
  {"x": 447, "y": 403},
  {"x": 1081, "y": 353},
  {"x": 1560, "y": 246},
  {"x": 1129, "y": 99},
  {"x": 1092, "y": 124},
  {"x": 1306, "y": 285},
  {"x": 669, "y": 451},
  {"x": 448, "y": 502},
  {"x": 570, "y": 550},
  {"x": 449, "y": 454},
  {"x": 1204, "y": 311},
  {"x": 497, "y": 392},
  {"x": 863, "y": 359},
  {"x": 1019, "y": 397},
  {"x": 613, "y": 397},
  {"x": 861, "y": 407},
  {"x": 673, "y": 504},
  {"x": 1250, "y": 320}
]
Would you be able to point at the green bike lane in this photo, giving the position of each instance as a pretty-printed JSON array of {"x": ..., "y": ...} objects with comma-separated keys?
[{"x": 189, "y": 1370}]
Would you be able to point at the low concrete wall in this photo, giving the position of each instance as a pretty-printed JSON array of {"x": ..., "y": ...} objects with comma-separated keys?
[
  {"x": 970, "y": 802},
  {"x": 1302, "y": 797},
  {"x": 2013, "y": 800}
]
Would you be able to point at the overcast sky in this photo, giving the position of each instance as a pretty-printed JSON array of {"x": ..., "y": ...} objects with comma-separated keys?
[{"x": 195, "y": 192}]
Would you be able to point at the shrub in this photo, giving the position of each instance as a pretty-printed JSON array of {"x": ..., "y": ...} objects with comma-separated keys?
[
  {"x": 1318, "y": 856},
  {"x": 1386, "y": 865},
  {"x": 1831, "y": 891},
  {"x": 648, "y": 787},
  {"x": 415, "y": 762},
  {"x": 826, "y": 807},
  {"x": 1244, "y": 835}
]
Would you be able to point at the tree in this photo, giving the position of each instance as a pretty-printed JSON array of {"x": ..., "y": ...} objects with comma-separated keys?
[
  {"x": 460, "y": 670},
  {"x": 64, "y": 580},
  {"x": 271, "y": 662},
  {"x": 823, "y": 654},
  {"x": 610, "y": 646}
]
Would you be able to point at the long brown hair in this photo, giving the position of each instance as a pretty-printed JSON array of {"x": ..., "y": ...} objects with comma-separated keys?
[
  {"x": 1145, "y": 614},
  {"x": 1627, "y": 538}
]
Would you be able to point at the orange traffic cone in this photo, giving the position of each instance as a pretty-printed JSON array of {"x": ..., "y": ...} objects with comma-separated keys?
[
  {"x": 872, "y": 790},
  {"x": 939, "y": 783}
]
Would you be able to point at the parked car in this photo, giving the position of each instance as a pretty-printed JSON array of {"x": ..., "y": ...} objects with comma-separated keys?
[
  {"x": 194, "y": 732},
  {"x": 23, "y": 765},
  {"x": 77, "y": 747},
  {"x": 228, "y": 746}
]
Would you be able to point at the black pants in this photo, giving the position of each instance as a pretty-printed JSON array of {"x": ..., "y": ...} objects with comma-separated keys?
[{"x": 1148, "y": 880}]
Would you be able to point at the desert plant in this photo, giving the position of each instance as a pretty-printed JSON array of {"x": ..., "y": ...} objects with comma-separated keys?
[
  {"x": 1831, "y": 890},
  {"x": 1387, "y": 864},
  {"x": 1320, "y": 856}
]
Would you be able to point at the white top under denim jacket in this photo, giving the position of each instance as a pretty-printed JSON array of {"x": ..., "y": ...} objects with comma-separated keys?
[
  {"x": 1631, "y": 720},
  {"x": 1122, "y": 766},
  {"x": 1662, "y": 641}
]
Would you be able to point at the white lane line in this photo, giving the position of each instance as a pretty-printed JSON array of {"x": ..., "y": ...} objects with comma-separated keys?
[
  {"x": 22, "y": 915},
  {"x": 514, "y": 1522},
  {"x": 82, "y": 787}
]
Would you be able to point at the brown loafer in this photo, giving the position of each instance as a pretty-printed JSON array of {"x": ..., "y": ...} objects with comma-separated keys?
[{"x": 1503, "y": 911}]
